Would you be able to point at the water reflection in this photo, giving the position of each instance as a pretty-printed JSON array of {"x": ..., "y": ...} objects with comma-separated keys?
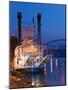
[
  {"x": 56, "y": 61},
  {"x": 56, "y": 72},
  {"x": 52, "y": 74},
  {"x": 51, "y": 64},
  {"x": 38, "y": 79}
]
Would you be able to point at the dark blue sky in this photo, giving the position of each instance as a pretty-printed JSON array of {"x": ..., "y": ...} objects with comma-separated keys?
[{"x": 52, "y": 19}]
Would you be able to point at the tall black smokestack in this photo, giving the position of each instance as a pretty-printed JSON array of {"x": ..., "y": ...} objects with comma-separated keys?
[
  {"x": 19, "y": 26},
  {"x": 39, "y": 29}
]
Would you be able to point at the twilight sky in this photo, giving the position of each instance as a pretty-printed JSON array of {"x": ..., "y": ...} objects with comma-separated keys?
[{"x": 52, "y": 19}]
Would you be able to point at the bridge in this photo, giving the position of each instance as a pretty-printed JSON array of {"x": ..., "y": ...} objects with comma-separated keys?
[{"x": 52, "y": 43}]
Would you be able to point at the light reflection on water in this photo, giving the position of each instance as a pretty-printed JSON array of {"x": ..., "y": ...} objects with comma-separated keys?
[
  {"x": 54, "y": 74},
  {"x": 57, "y": 77}
]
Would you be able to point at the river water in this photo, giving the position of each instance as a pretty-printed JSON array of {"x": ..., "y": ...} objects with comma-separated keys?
[
  {"x": 56, "y": 72},
  {"x": 53, "y": 74}
]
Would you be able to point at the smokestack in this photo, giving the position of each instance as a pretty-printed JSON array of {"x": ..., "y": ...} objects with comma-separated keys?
[
  {"x": 19, "y": 26},
  {"x": 39, "y": 29}
]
